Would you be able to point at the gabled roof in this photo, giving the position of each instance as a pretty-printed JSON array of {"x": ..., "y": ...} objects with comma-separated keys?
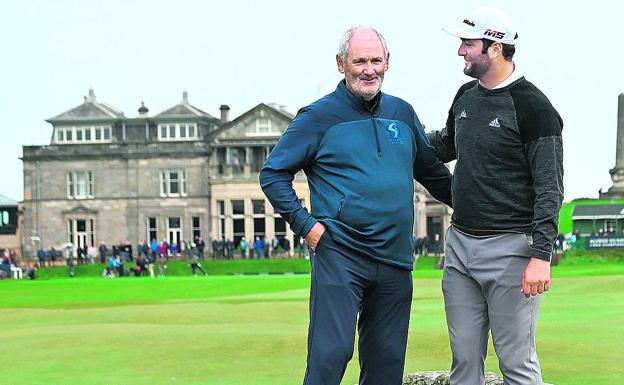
[
  {"x": 598, "y": 212},
  {"x": 279, "y": 111},
  {"x": 91, "y": 109},
  {"x": 184, "y": 110},
  {"x": 7, "y": 202}
]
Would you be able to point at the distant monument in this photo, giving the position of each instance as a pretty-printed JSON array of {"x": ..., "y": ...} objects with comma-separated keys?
[{"x": 617, "y": 173}]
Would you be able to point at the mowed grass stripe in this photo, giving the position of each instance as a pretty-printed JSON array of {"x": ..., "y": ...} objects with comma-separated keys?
[
  {"x": 98, "y": 292},
  {"x": 252, "y": 330}
]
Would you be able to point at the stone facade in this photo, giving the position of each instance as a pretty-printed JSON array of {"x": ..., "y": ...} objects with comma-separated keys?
[
  {"x": 125, "y": 191},
  {"x": 176, "y": 175}
]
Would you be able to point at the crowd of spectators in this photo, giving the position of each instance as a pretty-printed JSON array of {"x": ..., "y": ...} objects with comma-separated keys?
[
  {"x": 10, "y": 266},
  {"x": 257, "y": 248},
  {"x": 151, "y": 258}
]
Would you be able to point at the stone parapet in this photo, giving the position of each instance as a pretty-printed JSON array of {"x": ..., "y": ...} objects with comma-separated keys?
[
  {"x": 115, "y": 151},
  {"x": 442, "y": 378}
]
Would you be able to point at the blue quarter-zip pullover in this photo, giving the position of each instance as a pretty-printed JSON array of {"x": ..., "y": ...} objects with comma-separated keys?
[{"x": 360, "y": 159}]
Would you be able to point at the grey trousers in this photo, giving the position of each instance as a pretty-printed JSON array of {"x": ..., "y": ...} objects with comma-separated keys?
[{"x": 481, "y": 286}]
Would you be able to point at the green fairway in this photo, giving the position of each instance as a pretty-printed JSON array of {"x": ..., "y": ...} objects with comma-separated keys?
[{"x": 252, "y": 329}]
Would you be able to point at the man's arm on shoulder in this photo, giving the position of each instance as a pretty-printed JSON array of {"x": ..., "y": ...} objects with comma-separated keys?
[
  {"x": 429, "y": 170},
  {"x": 443, "y": 141},
  {"x": 293, "y": 152}
]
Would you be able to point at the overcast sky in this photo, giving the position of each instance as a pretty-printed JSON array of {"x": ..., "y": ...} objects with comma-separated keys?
[{"x": 242, "y": 53}]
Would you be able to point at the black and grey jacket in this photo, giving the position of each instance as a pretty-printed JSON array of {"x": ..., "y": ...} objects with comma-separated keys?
[{"x": 509, "y": 171}]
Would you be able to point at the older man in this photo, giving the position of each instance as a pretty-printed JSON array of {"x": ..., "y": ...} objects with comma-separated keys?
[{"x": 361, "y": 151}]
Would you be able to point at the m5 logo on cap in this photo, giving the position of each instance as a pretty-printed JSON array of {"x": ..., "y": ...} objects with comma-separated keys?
[{"x": 494, "y": 34}]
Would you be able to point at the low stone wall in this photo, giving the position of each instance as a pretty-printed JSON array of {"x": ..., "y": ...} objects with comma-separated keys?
[{"x": 442, "y": 378}]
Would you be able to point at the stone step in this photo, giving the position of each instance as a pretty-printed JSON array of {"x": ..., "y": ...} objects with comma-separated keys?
[{"x": 442, "y": 378}]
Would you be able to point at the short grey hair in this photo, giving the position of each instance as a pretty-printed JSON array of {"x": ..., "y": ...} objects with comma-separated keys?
[{"x": 346, "y": 39}]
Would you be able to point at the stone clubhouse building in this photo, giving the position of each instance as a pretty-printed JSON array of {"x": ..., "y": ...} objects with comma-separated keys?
[{"x": 177, "y": 175}]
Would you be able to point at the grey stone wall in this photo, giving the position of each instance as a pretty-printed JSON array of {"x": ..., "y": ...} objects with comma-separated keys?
[
  {"x": 126, "y": 190},
  {"x": 442, "y": 378}
]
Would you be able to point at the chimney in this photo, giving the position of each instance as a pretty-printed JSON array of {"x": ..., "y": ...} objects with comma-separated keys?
[
  {"x": 143, "y": 110},
  {"x": 91, "y": 97},
  {"x": 185, "y": 97},
  {"x": 225, "y": 112}
]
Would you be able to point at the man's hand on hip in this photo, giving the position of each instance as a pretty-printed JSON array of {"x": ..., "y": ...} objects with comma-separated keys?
[
  {"x": 536, "y": 277},
  {"x": 315, "y": 235}
]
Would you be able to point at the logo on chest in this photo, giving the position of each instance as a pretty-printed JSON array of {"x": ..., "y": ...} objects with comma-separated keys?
[{"x": 394, "y": 135}]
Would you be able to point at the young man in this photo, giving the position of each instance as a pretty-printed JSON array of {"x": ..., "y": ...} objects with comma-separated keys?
[
  {"x": 507, "y": 191},
  {"x": 361, "y": 151}
]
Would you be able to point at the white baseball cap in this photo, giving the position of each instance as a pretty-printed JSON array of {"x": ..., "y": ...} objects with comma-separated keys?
[{"x": 486, "y": 23}]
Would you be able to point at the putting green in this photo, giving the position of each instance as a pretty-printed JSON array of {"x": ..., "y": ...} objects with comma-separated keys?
[{"x": 252, "y": 330}]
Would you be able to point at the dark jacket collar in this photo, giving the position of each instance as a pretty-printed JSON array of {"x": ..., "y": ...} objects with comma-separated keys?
[{"x": 369, "y": 106}]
